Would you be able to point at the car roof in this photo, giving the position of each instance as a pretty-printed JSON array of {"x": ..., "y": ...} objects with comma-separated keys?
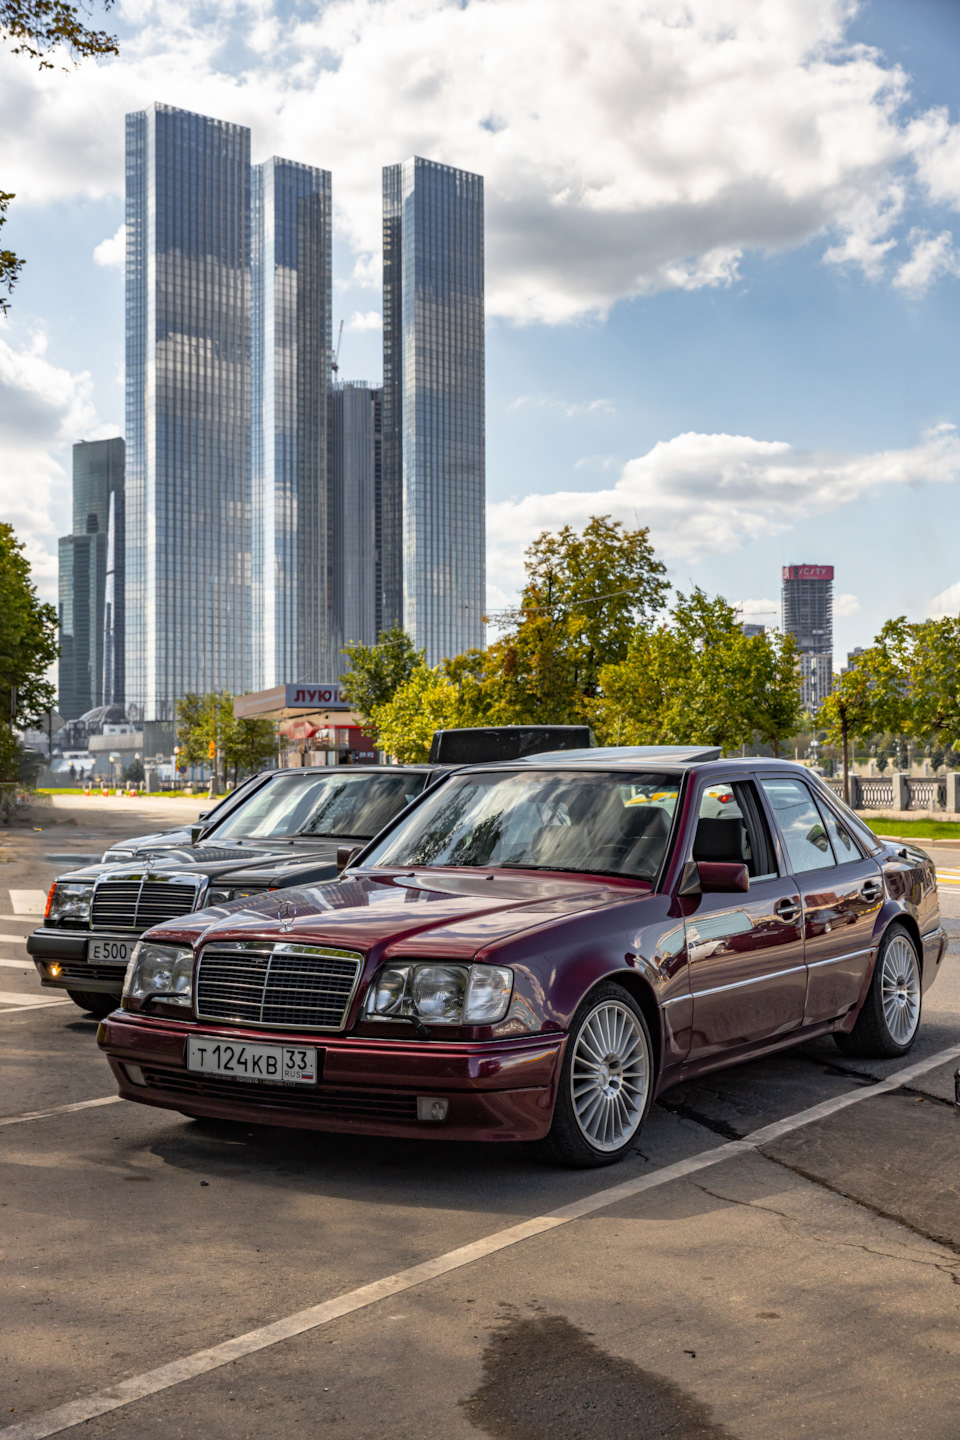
[{"x": 666, "y": 758}]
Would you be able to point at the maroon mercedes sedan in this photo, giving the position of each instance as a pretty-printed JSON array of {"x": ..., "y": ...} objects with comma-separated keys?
[{"x": 533, "y": 951}]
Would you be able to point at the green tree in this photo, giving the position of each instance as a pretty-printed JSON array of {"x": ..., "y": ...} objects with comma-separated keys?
[
  {"x": 28, "y": 647},
  {"x": 191, "y": 737},
  {"x": 249, "y": 744},
  {"x": 584, "y": 597},
  {"x": 377, "y": 671},
  {"x": 428, "y": 700},
  {"x": 776, "y": 711},
  {"x": 37, "y": 28},
  {"x": 697, "y": 679}
]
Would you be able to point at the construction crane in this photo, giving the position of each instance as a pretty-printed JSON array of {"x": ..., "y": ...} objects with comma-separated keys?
[{"x": 335, "y": 367}]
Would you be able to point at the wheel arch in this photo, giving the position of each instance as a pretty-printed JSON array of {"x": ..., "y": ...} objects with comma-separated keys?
[{"x": 640, "y": 989}]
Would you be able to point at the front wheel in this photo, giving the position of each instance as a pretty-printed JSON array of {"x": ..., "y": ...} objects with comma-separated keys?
[
  {"x": 98, "y": 1004},
  {"x": 890, "y": 1016},
  {"x": 606, "y": 1081}
]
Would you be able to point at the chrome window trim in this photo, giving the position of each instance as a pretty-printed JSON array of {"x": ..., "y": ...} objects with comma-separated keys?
[{"x": 258, "y": 947}]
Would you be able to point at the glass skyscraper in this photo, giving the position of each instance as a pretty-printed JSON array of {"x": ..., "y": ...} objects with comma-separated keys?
[
  {"x": 292, "y": 324},
  {"x": 433, "y": 485},
  {"x": 91, "y": 582},
  {"x": 189, "y": 548},
  {"x": 355, "y": 471}
]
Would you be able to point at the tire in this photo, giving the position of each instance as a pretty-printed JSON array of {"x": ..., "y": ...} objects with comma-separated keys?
[
  {"x": 890, "y": 1016},
  {"x": 600, "y": 1105},
  {"x": 98, "y": 1004}
]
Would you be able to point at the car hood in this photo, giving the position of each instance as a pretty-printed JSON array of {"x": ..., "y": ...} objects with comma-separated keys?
[
  {"x": 216, "y": 861},
  {"x": 427, "y": 912}
]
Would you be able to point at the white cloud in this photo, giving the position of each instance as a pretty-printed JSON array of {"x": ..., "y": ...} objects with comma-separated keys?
[
  {"x": 626, "y": 148},
  {"x": 946, "y": 603},
  {"x": 112, "y": 252},
  {"x": 365, "y": 320},
  {"x": 709, "y": 494},
  {"x": 846, "y": 605},
  {"x": 931, "y": 258},
  {"x": 570, "y": 408},
  {"x": 43, "y": 408}
]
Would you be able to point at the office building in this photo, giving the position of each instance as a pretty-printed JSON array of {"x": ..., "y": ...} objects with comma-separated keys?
[
  {"x": 433, "y": 406},
  {"x": 91, "y": 609},
  {"x": 808, "y": 617},
  {"x": 292, "y": 501},
  {"x": 189, "y": 540},
  {"x": 355, "y": 470}
]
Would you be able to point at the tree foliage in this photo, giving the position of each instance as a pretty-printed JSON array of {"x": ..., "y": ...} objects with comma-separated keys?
[
  {"x": 205, "y": 720},
  {"x": 28, "y": 647},
  {"x": 36, "y": 28},
  {"x": 697, "y": 679},
  {"x": 377, "y": 671}
]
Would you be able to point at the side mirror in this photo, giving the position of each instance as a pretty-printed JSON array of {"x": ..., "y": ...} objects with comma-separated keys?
[
  {"x": 197, "y": 832},
  {"x": 203, "y": 814},
  {"x": 345, "y": 854},
  {"x": 713, "y": 877}
]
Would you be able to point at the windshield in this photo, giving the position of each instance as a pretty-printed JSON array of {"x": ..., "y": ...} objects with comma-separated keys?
[
  {"x": 342, "y": 804},
  {"x": 609, "y": 824}
]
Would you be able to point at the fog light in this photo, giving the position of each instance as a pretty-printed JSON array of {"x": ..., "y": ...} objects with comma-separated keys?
[
  {"x": 54, "y": 971},
  {"x": 430, "y": 1108},
  {"x": 135, "y": 1074}
]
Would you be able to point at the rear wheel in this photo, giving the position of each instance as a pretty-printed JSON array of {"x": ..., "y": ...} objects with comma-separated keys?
[
  {"x": 97, "y": 1003},
  {"x": 890, "y": 1016},
  {"x": 606, "y": 1081}
]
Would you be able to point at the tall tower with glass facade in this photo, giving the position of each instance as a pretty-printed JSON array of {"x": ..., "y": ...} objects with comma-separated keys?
[
  {"x": 91, "y": 582},
  {"x": 433, "y": 406},
  {"x": 355, "y": 471},
  {"x": 292, "y": 323},
  {"x": 808, "y": 617},
  {"x": 189, "y": 540}
]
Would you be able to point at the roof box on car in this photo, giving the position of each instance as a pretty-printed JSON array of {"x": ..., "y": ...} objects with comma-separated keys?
[{"x": 485, "y": 743}]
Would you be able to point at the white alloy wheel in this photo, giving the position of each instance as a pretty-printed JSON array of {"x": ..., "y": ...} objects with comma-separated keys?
[
  {"x": 610, "y": 1076},
  {"x": 900, "y": 990}
]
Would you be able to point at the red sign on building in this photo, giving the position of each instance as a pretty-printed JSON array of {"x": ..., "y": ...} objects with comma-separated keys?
[{"x": 808, "y": 572}]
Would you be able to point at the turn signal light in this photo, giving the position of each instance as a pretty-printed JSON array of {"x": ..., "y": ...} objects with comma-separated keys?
[
  {"x": 46, "y": 912},
  {"x": 54, "y": 971}
]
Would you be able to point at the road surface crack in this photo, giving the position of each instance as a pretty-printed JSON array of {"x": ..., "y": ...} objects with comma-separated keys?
[{"x": 949, "y": 1268}]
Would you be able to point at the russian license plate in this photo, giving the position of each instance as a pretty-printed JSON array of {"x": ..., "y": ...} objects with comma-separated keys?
[
  {"x": 112, "y": 952},
  {"x": 279, "y": 1064}
]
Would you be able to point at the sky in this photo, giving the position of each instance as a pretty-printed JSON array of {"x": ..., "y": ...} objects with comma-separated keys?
[{"x": 722, "y": 261}]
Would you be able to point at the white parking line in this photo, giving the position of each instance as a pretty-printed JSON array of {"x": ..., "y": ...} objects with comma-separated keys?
[
  {"x": 28, "y": 902},
  {"x": 138, "y": 1387},
  {"x": 18, "y": 964},
  {"x": 59, "y": 1109},
  {"x": 36, "y": 1005},
  {"x": 11, "y": 939}
]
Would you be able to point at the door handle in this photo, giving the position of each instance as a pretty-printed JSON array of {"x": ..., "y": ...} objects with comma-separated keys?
[
  {"x": 787, "y": 910},
  {"x": 871, "y": 890}
]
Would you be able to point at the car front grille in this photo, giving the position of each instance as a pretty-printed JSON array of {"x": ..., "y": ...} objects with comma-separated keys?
[
  {"x": 137, "y": 903},
  {"x": 299, "y": 987},
  {"x": 348, "y": 1104}
]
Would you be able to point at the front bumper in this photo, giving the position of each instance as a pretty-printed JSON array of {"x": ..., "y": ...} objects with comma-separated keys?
[
  {"x": 501, "y": 1090},
  {"x": 61, "y": 960}
]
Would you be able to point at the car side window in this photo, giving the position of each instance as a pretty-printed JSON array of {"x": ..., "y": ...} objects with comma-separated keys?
[
  {"x": 804, "y": 833},
  {"x": 731, "y": 828},
  {"x": 844, "y": 846}
]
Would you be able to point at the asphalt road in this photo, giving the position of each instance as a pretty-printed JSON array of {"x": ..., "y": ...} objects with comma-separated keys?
[{"x": 806, "y": 1284}]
